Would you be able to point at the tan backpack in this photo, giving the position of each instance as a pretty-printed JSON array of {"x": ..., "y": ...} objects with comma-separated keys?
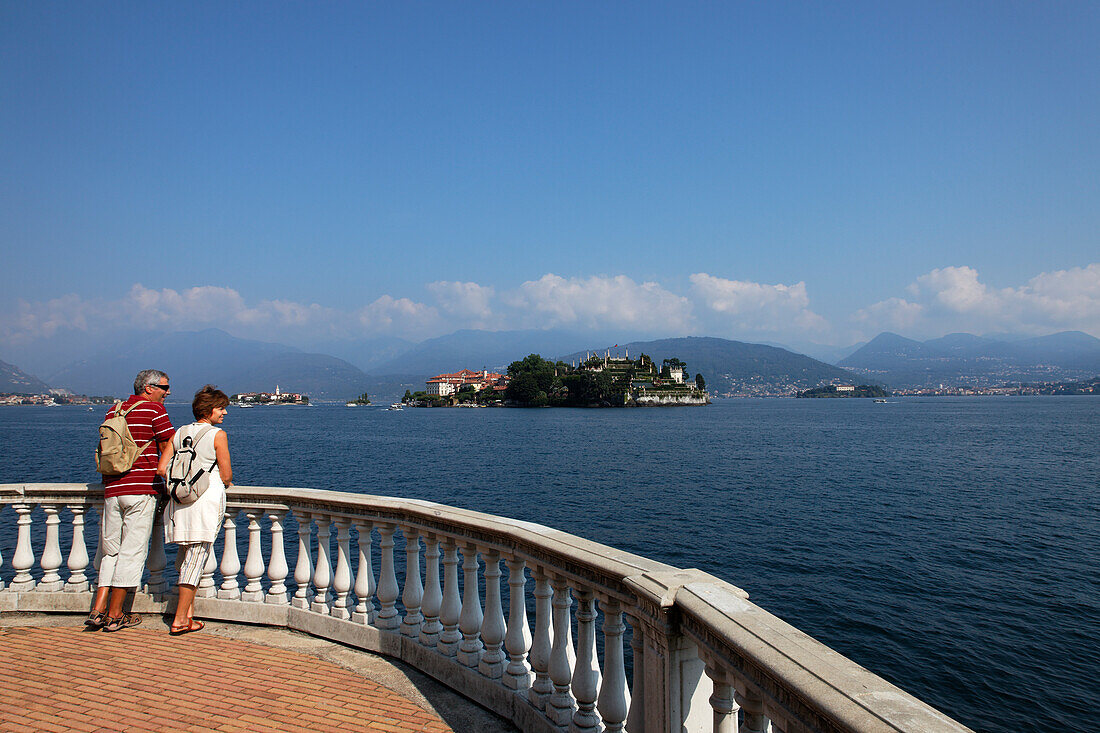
[{"x": 117, "y": 449}]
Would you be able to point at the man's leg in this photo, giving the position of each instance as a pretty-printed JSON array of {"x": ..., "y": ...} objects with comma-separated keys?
[
  {"x": 118, "y": 598},
  {"x": 110, "y": 539},
  {"x": 137, "y": 522}
]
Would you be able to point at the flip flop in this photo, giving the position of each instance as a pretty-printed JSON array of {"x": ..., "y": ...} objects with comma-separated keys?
[
  {"x": 122, "y": 622},
  {"x": 180, "y": 630}
]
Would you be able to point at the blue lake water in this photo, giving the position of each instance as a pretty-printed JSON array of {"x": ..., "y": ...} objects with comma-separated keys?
[{"x": 949, "y": 545}]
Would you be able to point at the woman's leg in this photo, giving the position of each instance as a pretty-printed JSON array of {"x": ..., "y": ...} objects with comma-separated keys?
[
  {"x": 190, "y": 571},
  {"x": 185, "y": 607}
]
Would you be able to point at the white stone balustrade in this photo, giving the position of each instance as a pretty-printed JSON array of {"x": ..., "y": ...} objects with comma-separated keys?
[
  {"x": 231, "y": 560},
  {"x": 703, "y": 655},
  {"x": 254, "y": 562},
  {"x": 388, "y": 589},
  {"x": 451, "y": 610},
  {"x": 341, "y": 582},
  {"x": 432, "y": 604},
  {"x": 364, "y": 577}
]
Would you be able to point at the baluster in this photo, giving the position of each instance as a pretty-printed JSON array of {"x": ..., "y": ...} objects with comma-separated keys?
[
  {"x": 469, "y": 621},
  {"x": 1, "y": 565},
  {"x": 23, "y": 559},
  {"x": 254, "y": 561},
  {"x": 636, "y": 721},
  {"x": 205, "y": 588},
  {"x": 231, "y": 561},
  {"x": 492, "y": 627},
  {"x": 414, "y": 592},
  {"x": 51, "y": 553},
  {"x": 721, "y": 701},
  {"x": 753, "y": 707},
  {"x": 78, "y": 554},
  {"x": 276, "y": 566},
  {"x": 303, "y": 568},
  {"x": 542, "y": 687},
  {"x": 586, "y": 672},
  {"x": 364, "y": 578},
  {"x": 341, "y": 583},
  {"x": 614, "y": 700},
  {"x": 433, "y": 594},
  {"x": 518, "y": 639},
  {"x": 450, "y": 612},
  {"x": 322, "y": 571},
  {"x": 387, "y": 581},
  {"x": 561, "y": 707},
  {"x": 157, "y": 561}
]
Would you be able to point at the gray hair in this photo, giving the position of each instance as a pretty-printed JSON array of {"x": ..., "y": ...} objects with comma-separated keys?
[{"x": 146, "y": 377}]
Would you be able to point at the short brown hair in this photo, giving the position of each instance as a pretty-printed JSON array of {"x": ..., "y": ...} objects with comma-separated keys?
[{"x": 206, "y": 399}]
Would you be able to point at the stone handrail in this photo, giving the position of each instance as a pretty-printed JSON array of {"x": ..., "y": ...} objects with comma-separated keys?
[{"x": 704, "y": 657}]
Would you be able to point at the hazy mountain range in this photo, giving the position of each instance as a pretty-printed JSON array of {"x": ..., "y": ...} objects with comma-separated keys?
[
  {"x": 963, "y": 358},
  {"x": 14, "y": 379},
  {"x": 732, "y": 365},
  {"x": 193, "y": 359},
  {"x": 234, "y": 364}
]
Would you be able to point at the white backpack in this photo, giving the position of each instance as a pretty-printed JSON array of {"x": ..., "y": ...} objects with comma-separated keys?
[{"x": 187, "y": 479}]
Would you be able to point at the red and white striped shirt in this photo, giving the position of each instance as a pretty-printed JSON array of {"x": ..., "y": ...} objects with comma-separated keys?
[{"x": 148, "y": 421}]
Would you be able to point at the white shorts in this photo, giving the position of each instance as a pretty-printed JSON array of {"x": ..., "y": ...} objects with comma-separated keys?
[{"x": 124, "y": 539}]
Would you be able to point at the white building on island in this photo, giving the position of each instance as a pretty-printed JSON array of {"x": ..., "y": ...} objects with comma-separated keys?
[{"x": 444, "y": 385}]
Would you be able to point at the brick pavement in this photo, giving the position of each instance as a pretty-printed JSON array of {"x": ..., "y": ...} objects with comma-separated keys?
[{"x": 65, "y": 679}]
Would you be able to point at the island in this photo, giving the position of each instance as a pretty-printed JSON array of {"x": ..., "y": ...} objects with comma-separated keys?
[
  {"x": 597, "y": 381},
  {"x": 359, "y": 401},
  {"x": 278, "y": 397}
]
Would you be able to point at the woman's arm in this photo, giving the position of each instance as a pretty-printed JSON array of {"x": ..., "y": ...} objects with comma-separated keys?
[
  {"x": 166, "y": 451},
  {"x": 221, "y": 451}
]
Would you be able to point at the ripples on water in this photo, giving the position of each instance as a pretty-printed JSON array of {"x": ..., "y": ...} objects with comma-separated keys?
[{"x": 951, "y": 545}]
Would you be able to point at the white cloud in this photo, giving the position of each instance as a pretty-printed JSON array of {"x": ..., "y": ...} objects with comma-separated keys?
[
  {"x": 209, "y": 306},
  {"x": 467, "y": 300},
  {"x": 942, "y": 300},
  {"x": 955, "y": 299},
  {"x": 758, "y": 307},
  {"x": 399, "y": 316},
  {"x": 599, "y": 302},
  {"x": 892, "y": 314}
]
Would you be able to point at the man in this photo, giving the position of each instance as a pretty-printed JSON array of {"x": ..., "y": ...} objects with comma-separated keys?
[{"x": 129, "y": 505}]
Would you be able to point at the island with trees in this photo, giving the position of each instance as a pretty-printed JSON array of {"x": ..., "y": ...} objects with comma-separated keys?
[
  {"x": 603, "y": 382},
  {"x": 597, "y": 381}
]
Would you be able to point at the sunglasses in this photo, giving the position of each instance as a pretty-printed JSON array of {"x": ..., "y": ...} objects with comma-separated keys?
[{"x": 165, "y": 387}]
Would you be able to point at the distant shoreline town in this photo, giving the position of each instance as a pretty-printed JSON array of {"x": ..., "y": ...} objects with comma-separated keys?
[{"x": 53, "y": 397}]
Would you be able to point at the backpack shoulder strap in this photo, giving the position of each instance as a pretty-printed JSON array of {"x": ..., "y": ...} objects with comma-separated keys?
[
  {"x": 126, "y": 412},
  {"x": 129, "y": 409},
  {"x": 200, "y": 433}
]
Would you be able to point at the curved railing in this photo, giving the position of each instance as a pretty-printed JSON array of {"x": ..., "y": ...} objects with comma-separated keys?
[{"x": 704, "y": 657}]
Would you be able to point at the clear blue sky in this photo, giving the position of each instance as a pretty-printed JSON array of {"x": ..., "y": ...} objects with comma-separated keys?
[{"x": 664, "y": 168}]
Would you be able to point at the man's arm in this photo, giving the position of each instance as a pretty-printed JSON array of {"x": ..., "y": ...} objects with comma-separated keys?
[{"x": 166, "y": 452}]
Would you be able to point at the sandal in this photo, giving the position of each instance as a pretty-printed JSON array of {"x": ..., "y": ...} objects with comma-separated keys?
[
  {"x": 178, "y": 630},
  {"x": 122, "y": 622},
  {"x": 96, "y": 620}
]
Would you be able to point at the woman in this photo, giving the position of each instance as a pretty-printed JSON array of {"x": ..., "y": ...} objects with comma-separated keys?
[{"x": 194, "y": 527}]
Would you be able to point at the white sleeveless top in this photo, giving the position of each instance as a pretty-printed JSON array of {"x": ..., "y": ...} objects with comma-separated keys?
[{"x": 200, "y": 521}]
